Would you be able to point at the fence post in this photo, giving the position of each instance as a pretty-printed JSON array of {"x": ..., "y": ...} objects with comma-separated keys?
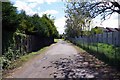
[
  {"x": 88, "y": 42},
  {"x": 112, "y": 37},
  {"x": 115, "y": 51},
  {"x": 107, "y": 37},
  {"x": 97, "y": 43},
  {"x": 83, "y": 42}
]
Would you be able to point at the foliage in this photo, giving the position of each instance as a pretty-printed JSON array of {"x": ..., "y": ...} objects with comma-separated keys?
[
  {"x": 9, "y": 23},
  {"x": 5, "y": 63},
  {"x": 76, "y": 22},
  {"x": 56, "y": 40},
  {"x": 79, "y": 15},
  {"x": 19, "y": 34},
  {"x": 103, "y": 8},
  {"x": 50, "y": 27},
  {"x": 110, "y": 51},
  {"x": 43, "y": 26},
  {"x": 17, "y": 25},
  {"x": 9, "y": 17},
  {"x": 96, "y": 30}
]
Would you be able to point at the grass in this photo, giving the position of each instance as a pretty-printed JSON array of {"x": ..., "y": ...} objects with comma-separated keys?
[
  {"x": 106, "y": 52},
  {"x": 27, "y": 57},
  {"x": 19, "y": 62},
  {"x": 56, "y": 40},
  {"x": 109, "y": 50},
  {"x": 79, "y": 49}
]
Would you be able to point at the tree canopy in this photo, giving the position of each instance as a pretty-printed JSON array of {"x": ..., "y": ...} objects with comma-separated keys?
[
  {"x": 19, "y": 22},
  {"x": 76, "y": 21},
  {"x": 9, "y": 17},
  {"x": 79, "y": 14},
  {"x": 12, "y": 21},
  {"x": 103, "y": 8}
]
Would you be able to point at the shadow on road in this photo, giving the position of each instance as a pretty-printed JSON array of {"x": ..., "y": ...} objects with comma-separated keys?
[{"x": 81, "y": 67}]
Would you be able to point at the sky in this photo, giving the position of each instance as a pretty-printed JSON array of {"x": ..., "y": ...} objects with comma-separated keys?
[
  {"x": 112, "y": 22},
  {"x": 56, "y": 8}
]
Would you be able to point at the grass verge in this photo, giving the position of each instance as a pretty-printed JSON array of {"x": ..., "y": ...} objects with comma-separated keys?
[
  {"x": 27, "y": 57},
  {"x": 56, "y": 40},
  {"x": 19, "y": 62},
  {"x": 105, "y": 52}
]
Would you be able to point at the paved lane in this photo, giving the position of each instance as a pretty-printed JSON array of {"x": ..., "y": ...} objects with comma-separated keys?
[{"x": 63, "y": 61}]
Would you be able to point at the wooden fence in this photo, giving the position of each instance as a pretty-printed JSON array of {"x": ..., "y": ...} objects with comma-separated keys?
[
  {"x": 112, "y": 38},
  {"x": 90, "y": 44},
  {"x": 32, "y": 43}
]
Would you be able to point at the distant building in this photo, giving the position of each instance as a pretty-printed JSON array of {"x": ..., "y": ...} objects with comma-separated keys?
[{"x": 107, "y": 29}]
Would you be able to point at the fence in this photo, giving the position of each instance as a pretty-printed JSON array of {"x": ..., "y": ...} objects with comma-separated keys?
[
  {"x": 105, "y": 46},
  {"x": 15, "y": 44},
  {"x": 32, "y": 43},
  {"x": 35, "y": 42},
  {"x": 112, "y": 38}
]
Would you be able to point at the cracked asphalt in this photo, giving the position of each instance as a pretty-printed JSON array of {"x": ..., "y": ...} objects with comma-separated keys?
[{"x": 62, "y": 60}]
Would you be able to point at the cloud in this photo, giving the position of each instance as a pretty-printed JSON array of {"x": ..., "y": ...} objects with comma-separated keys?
[
  {"x": 32, "y": 6},
  {"x": 112, "y": 22},
  {"x": 28, "y": 7},
  {"x": 39, "y": 1},
  {"x": 51, "y": 1},
  {"x": 48, "y": 12},
  {"x": 20, "y": 5},
  {"x": 35, "y": 1},
  {"x": 60, "y": 23}
]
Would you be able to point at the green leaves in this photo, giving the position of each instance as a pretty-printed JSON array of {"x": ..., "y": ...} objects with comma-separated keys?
[
  {"x": 16, "y": 27},
  {"x": 77, "y": 21},
  {"x": 9, "y": 17},
  {"x": 96, "y": 30},
  {"x": 46, "y": 26},
  {"x": 5, "y": 63},
  {"x": 43, "y": 26}
]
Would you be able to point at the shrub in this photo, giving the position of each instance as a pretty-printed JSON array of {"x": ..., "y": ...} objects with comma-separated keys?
[{"x": 5, "y": 63}]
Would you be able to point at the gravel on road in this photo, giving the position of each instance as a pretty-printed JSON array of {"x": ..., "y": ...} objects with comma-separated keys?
[{"x": 62, "y": 60}]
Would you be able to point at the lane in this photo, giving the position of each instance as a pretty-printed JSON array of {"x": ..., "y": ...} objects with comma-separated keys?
[
  {"x": 62, "y": 60},
  {"x": 37, "y": 69}
]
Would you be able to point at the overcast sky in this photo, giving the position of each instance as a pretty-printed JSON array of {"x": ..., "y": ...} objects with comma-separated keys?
[{"x": 56, "y": 8}]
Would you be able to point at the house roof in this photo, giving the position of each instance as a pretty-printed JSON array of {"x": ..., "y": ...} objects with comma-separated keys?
[{"x": 107, "y": 29}]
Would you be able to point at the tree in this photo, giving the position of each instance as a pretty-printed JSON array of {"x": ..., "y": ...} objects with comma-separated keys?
[
  {"x": 9, "y": 17},
  {"x": 76, "y": 21},
  {"x": 96, "y": 30},
  {"x": 17, "y": 25},
  {"x": 9, "y": 24},
  {"x": 104, "y": 9},
  {"x": 80, "y": 14},
  {"x": 49, "y": 23},
  {"x": 42, "y": 26}
]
